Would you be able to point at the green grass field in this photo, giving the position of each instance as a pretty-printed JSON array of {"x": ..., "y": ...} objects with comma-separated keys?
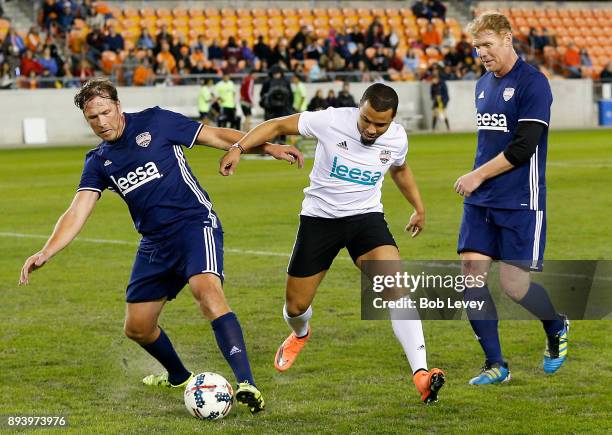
[{"x": 63, "y": 351}]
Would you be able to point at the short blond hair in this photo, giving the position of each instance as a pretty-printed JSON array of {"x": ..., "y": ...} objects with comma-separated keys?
[{"x": 490, "y": 20}]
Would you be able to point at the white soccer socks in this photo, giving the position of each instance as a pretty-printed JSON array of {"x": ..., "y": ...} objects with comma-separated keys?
[{"x": 299, "y": 324}]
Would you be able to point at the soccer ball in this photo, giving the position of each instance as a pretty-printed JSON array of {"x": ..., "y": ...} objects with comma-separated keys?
[{"x": 208, "y": 396}]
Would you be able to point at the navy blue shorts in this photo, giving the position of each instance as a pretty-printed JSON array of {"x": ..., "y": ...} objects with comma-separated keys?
[
  {"x": 512, "y": 236},
  {"x": 162, "y": 269}
]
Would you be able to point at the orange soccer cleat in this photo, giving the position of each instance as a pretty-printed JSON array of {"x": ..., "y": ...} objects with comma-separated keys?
[
  {"x": 429, "y": 383},
  {"x": 289, "y": 350}
]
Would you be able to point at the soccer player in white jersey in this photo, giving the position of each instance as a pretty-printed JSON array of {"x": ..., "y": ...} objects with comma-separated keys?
[
  {"x": 504, "y": 212},
  {"x": 342, "y": 208}
]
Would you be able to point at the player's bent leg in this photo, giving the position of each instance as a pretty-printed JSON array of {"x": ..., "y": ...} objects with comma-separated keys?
[
  {"x": 407, "y": 326},
  {"x": 300, "y": 293},
  {"x": 208, "y": 292},
  {"x": 141, "y": 326}
]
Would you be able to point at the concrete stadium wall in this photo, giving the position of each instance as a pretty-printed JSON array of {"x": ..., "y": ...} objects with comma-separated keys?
[{"x": 573, "y": 107}]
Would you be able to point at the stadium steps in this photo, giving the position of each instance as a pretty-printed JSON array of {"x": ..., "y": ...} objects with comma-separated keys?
[
  {"x": 19, "y": 13},
  {"x": 459, "y": 10}
]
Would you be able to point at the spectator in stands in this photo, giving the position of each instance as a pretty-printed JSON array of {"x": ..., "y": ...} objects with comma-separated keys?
[
  {"x": 12, "y": 39},
  {"x": 47, "y": 62},
  {"x": 164, "y": 57},
  {"x": 420, "y": 9},
  {"x": 299, "y": 94},
  {"x": 7, "y": 79},
  {"x": 247, "y": 97},
  {"x": 231, "y": 49},
  {"x": 262, "y": 50},
  {"x": 606, "y": 73},
  {"x": 84, "y": 71},
  {"x": 280, "y": 55},
  {"x": 128, "y": 66},
  {"x": 65, "y": 17},
  {"x": 300, "y": 37},
  {"x": 439, "y": 98},
  {"x": 32, "y": 40},
  {"x": 448, "y": 73},
  {"x": 143, "y": 74},
  {"x": 437, "y": 8},
  {"x": 331, "y": 99},
  {"x": 380, "y": 61},
  {"x": 49, "y": 12},
  {"x": 246, "y": 53},
  {"x": 571, "y": 60},
  {"x": 163, "y": 36},
  {"x": 215, "y": 52},
  {"x": 114, "y": 41},
  {"x": 68, "y": 80},
  {"x": 412, "y": 61},
  {"x": 145, "y": 41},
  {"x": 316, "y": 74},
  {"x": 376, "y": 33},
  {"x": 585, "y": 59},
  {"x": 345, "y": 98},
  {"x": 225, "y": 91},
  {"x": 317, "y": 102},
  {"x": 205, "y": 99},
  {"x": 29, "y": 65},
  {"x": 448, "y": 39},
  {"x": 314, "y": 49},
  {"x": 332, "y": 61},
  {"x": 463, "y": 44},
  {"x": 431, "y": 37},
  {"x": 96, "y": 41},
  {"x": 548, "y": 38}
]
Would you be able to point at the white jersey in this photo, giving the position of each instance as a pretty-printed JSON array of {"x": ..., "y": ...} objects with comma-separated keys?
[{"x": 347, "y": 176}]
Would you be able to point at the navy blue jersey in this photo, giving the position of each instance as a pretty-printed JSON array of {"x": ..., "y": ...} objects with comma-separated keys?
[
  {"x": 523, "y": 94},
  {"x": 147, "y": 168}
]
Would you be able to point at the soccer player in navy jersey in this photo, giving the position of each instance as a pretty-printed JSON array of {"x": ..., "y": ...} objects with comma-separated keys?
[
  {"x": 141, "y": 159},
  {"x": 504, "y": 214}
]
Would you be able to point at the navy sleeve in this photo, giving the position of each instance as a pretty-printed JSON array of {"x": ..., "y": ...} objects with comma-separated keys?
[
  {"x": 177, "y": 128},
  {"x": 93, "y": 177},
  {"x": 535, "y": 100}
]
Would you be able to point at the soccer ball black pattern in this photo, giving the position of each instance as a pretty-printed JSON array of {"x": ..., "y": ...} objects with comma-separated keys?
[{"x": 208, "y": 396}]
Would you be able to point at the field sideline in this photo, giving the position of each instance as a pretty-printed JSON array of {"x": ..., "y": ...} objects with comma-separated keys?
[{"x": 63, "y": 350}]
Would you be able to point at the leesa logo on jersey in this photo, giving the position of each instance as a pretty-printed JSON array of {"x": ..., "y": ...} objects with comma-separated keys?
[
  {"x": 354, "y": 175},
  {"x": 492, "y": 121},
  {"x": 143, "y": 139},
  {"x": 136, "y": 178}
]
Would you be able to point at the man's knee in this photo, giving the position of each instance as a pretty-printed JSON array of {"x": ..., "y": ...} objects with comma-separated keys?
[{"x": 141, "y": 332}]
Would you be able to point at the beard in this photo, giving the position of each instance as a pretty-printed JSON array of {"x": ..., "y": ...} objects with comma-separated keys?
[{"x": 367, "y": 142}]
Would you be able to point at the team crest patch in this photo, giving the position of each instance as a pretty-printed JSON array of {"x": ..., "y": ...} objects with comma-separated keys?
[
  {"x": 385, "y": 156},
  {"x": 508, "y": 93},
  {"x": 143, "y": 139}
]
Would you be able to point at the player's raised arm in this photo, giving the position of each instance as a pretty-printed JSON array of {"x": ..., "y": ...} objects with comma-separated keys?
[
  {"x": 286, "y": 125},
  {"x": 66, "y": 229},
  {"x": 405, "y": 182},
  {"x": 224, "y": 138}
]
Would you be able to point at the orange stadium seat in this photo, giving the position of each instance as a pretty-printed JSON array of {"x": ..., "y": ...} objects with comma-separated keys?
[
  {"x": 563, "y": 13},
  {"x": 351, "y": 20},
  {"x": 349, "y": 12},
  {"x": 260, "y": 21},
  {"x": 406, "y": 12},
  {"x": 129, "y": 12},
  {"x": 211, "y": 12},
  {"x": 228, "y": 21},
  {"x": 303, "y": 12},
  {"x": 306, "y": 20},
  {"x": 228, "y": 12},
  {"x": 273, "y": 12},
  {"x": 289, "y": 13},
  {"x": 146, "y": 12},
  {"x": 334, "y": 12},
  {"x": 378, "y": 12},
  {"x": 163, "y": 12},
  {"x": 290, "y": 32},
  {"x": 258, "y": 12},
  {"x": 197, "y": 21},
  {"x": 243, "y": 13},
  {"x": 196, "y": 12},
  {"x": 336, "y": 22},
  {"x": 551, "y": 13},
  {"x": 291, "y": 21},
  {"x": 179, "y": 12},
  {"x": 363, "y": 12},
  {"x": 319, "y": 12}
]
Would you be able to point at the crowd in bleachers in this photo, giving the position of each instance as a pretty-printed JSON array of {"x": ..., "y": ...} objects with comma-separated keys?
[{"x": 77, "y": 39}]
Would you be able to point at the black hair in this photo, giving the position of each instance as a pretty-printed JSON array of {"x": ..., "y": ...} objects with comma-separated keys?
[{"x": 381, "y": 97}]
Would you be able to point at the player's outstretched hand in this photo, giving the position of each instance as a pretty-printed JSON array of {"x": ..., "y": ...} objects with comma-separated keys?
[
  {"x": 285, "y": 152},
  {"x": 229, "y": 161},
  {"x": 416, "y": 224},
  {"x": 36, "y": 261}
]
